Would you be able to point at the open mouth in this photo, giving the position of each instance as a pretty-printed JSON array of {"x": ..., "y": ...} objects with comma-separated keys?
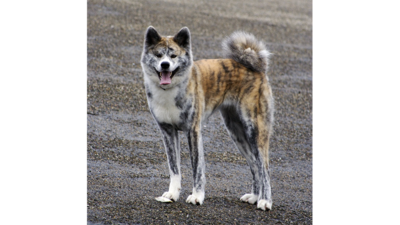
[{"x": 166, "y": 76}]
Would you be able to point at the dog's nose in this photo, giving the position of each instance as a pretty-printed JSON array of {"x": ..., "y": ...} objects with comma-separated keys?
[{"x": 165, "y": 65}]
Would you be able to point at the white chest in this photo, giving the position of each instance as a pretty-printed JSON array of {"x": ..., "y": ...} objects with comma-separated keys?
[{"x": 163, "y": 105}]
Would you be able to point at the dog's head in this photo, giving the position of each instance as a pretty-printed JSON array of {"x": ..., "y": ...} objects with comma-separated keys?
[{"x": 166, "y": 60}]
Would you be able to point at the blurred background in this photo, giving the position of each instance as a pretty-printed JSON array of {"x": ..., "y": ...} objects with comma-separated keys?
[{"x": 126, "y": 167}]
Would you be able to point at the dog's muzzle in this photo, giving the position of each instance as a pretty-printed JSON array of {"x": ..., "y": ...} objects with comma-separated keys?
[{"x": 166, "y": 76}]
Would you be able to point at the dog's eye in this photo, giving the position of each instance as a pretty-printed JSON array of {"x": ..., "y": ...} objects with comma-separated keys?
[
  {"x": 173, "y": 56},
  {"x": 159, "y": 55}
]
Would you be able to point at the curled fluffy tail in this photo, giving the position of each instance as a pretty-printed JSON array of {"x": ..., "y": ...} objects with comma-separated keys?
[{"x": 244, "y": 48}]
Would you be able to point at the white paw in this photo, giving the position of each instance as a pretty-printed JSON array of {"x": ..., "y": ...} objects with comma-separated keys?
[
  {"x": 173, "y": 195},
  {"x": 163, "y": 199},
  {"x": 174, "y": 189},
  {"x": 196, "y": 198},
  {"x": 264, "y": 204},
  {"x": 250, "y": 198}
]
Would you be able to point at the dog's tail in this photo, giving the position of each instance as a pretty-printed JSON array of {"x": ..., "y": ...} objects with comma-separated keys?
[{"x": 244, "y": 48}]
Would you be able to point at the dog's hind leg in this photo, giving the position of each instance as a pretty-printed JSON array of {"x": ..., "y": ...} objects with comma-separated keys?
[
  {"x": 252, "y": 139},
  {"x": 236, "y": 131},
  {"x": 172, "y": 148}
]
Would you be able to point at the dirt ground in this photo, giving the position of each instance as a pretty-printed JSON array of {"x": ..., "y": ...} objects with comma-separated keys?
[{"x": 127, "y": 166}]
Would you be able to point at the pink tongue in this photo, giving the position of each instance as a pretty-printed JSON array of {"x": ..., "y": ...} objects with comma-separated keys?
[{"x": 165, "y": 78}]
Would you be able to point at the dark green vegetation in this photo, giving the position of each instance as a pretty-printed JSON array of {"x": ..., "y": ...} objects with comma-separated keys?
[{"x": 127, "y": 165}]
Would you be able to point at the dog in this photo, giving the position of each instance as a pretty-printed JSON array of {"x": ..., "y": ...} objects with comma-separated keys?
[{"x": 183, "y": 93}]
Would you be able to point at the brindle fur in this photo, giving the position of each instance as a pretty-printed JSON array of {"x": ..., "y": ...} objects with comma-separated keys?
[{"x": 236, "y": 86}]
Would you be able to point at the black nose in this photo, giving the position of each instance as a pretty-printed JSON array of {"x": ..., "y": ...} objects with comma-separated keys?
[{"x": 165, "y": 65}]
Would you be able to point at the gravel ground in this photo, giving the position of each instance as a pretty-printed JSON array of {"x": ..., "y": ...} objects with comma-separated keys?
[{"x": 127, "y": 166}]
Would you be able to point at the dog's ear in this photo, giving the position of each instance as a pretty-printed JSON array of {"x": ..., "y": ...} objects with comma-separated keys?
[
  {"x": 151, "y": 37},
  {"x": 182, "y": 38}
]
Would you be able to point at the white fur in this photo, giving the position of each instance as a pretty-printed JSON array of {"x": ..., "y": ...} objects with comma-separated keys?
[
  {"x": 163, "y": 199},
  {"x": 264, "y": 53},
  {"x": 174, "y": 188},
  {"x": 196, "y": 197},
  {"x": 172, "y": 65},
  {"x": 264, "y": 204},
  {"x": 163, "y": 103},
  {"x": 250, "y": 198}
]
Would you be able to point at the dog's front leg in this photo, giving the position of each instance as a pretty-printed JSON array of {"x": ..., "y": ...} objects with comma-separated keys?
[
  {"x": 172, "y": 148},
  {"x": 198, "y": 164}
]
